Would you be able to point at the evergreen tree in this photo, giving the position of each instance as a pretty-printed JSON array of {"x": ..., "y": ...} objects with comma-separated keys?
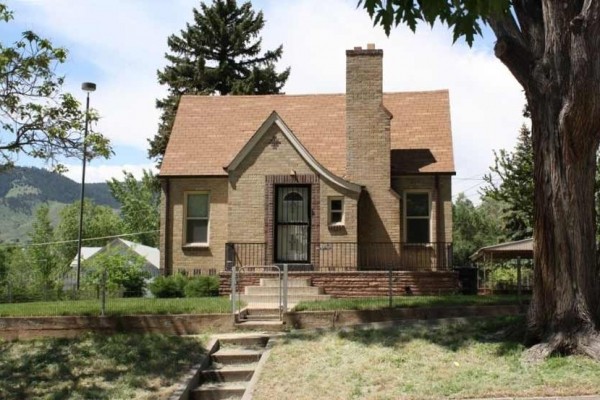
[
  {"x": 515, "y": 189},
  {"x": 218, "y": 54}
]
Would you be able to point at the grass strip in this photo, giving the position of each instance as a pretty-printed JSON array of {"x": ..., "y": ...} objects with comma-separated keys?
[
  {"x": 372, "y": 303},
  {"x": 118, "y": 306}
]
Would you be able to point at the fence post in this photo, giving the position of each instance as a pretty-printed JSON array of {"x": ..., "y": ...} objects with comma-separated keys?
[
  {"x": 103, "y": 294},
  {"x": 519, "y": 280},
  {"x": 285, "y": 287},
  {"x": 233, "y": 288},
  {"x": 9, "y": 291},
  {"x": 390, "y": 291}
]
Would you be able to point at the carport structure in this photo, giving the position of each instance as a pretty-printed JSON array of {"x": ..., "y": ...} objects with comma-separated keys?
[{"x": 517, "y": 250}]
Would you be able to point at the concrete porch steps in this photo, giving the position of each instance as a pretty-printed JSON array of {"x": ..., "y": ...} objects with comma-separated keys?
[{"x": 292, "y": 282}]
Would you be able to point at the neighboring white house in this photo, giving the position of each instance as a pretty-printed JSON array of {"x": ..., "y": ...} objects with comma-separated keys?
[{"x": 150, "y": 254}]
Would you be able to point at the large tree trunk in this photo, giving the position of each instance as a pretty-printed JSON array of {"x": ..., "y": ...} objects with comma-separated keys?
[
  {"x": 554, "y": 52},
  {"x": 564, "y": 314}
]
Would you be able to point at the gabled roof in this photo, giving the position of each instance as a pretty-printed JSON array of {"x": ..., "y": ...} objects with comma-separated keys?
[
  {"x": 275, "y": 119},
  {"x": 209, "y": 131}
]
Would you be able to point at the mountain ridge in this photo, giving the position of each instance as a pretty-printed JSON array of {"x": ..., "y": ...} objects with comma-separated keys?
[{"x": 24, "y": 189}]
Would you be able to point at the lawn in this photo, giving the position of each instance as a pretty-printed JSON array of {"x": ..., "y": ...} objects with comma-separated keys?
[
  {"x": 369, "y": 303},
  {"x": 97, "y": 367},
  {"x": 469, "y": 359},
  {"x": 119, "y": 306}
]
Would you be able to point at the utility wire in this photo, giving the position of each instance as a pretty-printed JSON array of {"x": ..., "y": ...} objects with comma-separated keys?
[{"x": 75, "y": 240}]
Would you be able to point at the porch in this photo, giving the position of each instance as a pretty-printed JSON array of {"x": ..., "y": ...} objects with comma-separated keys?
[{"x": 344, "y": 256}]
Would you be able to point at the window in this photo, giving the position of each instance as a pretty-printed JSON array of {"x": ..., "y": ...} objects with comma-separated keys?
[
  {"x": 197, "y": 217},
  {"x": 417, "y": 217},
  {"x": 336, "y": 211}
]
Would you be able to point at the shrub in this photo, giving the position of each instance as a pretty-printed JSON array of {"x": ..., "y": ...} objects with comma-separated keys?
[
  {"x": 202, "y": 286},
  {"x": 169, "y": 286}
]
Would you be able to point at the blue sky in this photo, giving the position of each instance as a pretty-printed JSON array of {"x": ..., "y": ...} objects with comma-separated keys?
[{"x": 119, "y": 45}]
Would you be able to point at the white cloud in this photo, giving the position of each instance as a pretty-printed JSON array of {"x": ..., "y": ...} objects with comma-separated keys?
[
  {"x": 127, "y": 41},
  {"x": 102, "y": 173}
]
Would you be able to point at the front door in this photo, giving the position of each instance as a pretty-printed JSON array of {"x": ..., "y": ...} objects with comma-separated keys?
[{"x": 292, "y": 224}]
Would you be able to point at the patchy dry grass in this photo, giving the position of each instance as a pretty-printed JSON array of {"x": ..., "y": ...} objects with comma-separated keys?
[
  {"x": 371, "y": 303},
  {"x": 97, "y": 367},
  {"x": 419, "y": 361}
]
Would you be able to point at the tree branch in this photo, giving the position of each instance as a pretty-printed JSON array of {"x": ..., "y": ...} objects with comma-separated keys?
[{"x": 530, "y": 17}]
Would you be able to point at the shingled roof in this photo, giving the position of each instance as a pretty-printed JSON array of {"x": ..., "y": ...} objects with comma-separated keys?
[{"x": 210, "y": 130}]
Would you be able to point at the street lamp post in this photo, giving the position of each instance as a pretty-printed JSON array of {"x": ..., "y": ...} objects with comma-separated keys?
[{"x": 87, "y": 87}]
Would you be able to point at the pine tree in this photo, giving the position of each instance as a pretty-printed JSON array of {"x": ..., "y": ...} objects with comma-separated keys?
[
  {"x": 219, "y": 54},
  {"x": 515, "y": 190}
]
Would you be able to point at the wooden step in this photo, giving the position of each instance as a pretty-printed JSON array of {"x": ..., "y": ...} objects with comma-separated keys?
[
  {"x": 218, "y": 391},
  {"x": 245, "y": 341},
  {"x": 228, "y": 356},
  {"x": 263, "y": 326},
  {"x": 228, "y": 373}
]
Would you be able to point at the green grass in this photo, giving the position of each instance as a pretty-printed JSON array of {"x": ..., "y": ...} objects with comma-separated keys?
[
  {"x": 97, "y": 367},
  {"x": 119, "y": 306},
  {"x": 370, "y": 303},
  {"x": 470, "y": 359}
]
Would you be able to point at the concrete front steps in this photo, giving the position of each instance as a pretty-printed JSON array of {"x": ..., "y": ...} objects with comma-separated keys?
[
  {"x": 259, "y": 319},
  {"x": 232, "y": 367},
  {"x": 266, "y": 295}
]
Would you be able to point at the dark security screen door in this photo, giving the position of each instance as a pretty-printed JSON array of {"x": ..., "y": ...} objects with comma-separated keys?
[{"x": 292, "y": 216}]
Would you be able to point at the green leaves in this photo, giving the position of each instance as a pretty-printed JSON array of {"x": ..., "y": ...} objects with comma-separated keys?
[
  {"x": 140, "y": 202},
  {"x": 463, "y": 17},
  {"x": 36, "y": 117}
]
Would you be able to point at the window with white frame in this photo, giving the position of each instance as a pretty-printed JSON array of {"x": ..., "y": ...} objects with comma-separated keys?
[
  {"x": 417, "y": 217},
  {"x": 336, "y": 211},
  {"x": 197, "y": 218}
]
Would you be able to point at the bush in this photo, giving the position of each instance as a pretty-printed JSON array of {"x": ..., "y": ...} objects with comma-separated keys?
[
  {"x": 169, "y": 286},
  {"x": 202, "y": 286}
]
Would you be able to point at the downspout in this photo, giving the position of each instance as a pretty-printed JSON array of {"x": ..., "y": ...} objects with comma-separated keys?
[
  {"x": 442, "y": 257},
  {"x": 168, "y": 230}
]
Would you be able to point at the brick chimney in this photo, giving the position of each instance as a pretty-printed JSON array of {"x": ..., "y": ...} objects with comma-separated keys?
[
  {"x": 368, "y": 144},
  {"x": 367, "y": 123}
]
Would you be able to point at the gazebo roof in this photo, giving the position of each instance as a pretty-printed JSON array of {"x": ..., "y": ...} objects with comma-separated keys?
[{"x": 506, "y": 251}]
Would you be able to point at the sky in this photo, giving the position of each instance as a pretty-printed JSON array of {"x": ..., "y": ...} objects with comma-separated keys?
[{"x": 120, "y": 44}]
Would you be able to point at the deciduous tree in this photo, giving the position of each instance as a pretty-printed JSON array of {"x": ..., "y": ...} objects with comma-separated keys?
[
  {"x": 36, "y": 117},
  {"x": 140, "y": 202}
]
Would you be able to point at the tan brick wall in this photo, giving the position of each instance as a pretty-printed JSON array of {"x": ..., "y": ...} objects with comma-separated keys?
[
  {"x": 192, "y": 260},
  {"x": 247, "y": 185},
  {"x": 247, "y": 193},
  {"x": 368, "y": 141}
]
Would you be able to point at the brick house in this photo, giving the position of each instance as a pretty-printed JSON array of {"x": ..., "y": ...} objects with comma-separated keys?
[{"x": 332, "y": 182}]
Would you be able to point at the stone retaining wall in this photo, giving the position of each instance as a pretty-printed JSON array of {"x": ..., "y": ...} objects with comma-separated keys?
[
  {"x": 336, "y": 319},
  {"x": 359, "y": 283},
  {"x": 68, "y": 326}
]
